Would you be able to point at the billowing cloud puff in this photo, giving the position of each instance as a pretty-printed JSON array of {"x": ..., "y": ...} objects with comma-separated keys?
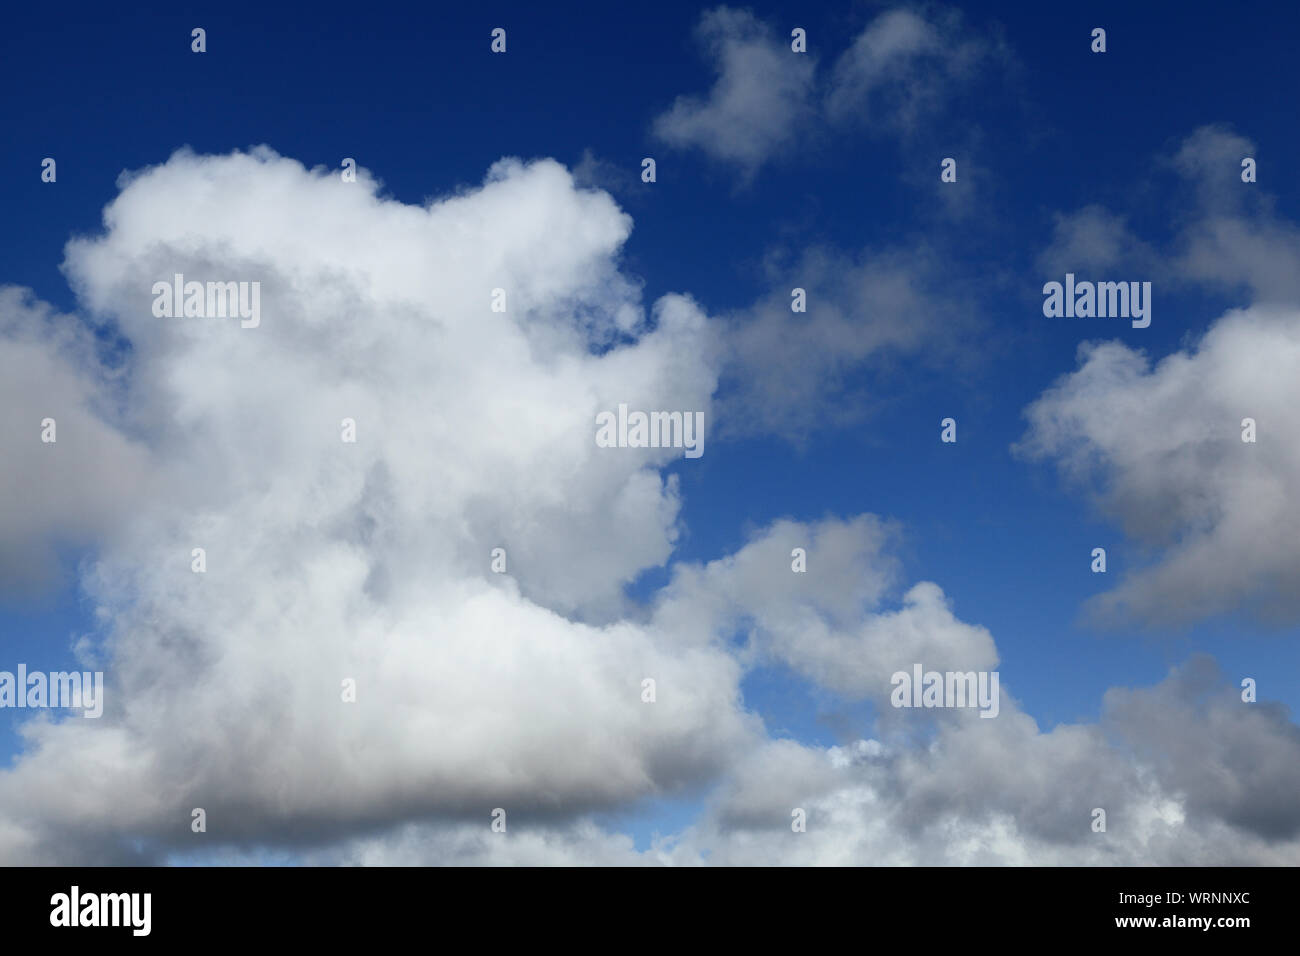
[
  {"x": 829, "y": 622},
  {"x": 759, "y": 101},
  {"x": 1163, "y": 447}
]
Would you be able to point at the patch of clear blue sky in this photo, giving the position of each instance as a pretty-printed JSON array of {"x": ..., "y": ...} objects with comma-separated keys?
[{"x": 413, "y": 94}]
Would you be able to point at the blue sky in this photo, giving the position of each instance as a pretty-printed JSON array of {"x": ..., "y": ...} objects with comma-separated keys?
[{"x": 1041, "y": 127}]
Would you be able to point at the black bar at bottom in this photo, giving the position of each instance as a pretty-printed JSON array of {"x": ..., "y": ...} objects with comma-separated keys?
[{"x": 632, "y": 907}]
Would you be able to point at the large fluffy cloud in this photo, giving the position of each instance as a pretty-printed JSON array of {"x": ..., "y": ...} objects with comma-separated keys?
[
  {"x": 1158, "y": 446},
  {"x": 369, "y": 561},
  {"x": 1162, "y": 449}
]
